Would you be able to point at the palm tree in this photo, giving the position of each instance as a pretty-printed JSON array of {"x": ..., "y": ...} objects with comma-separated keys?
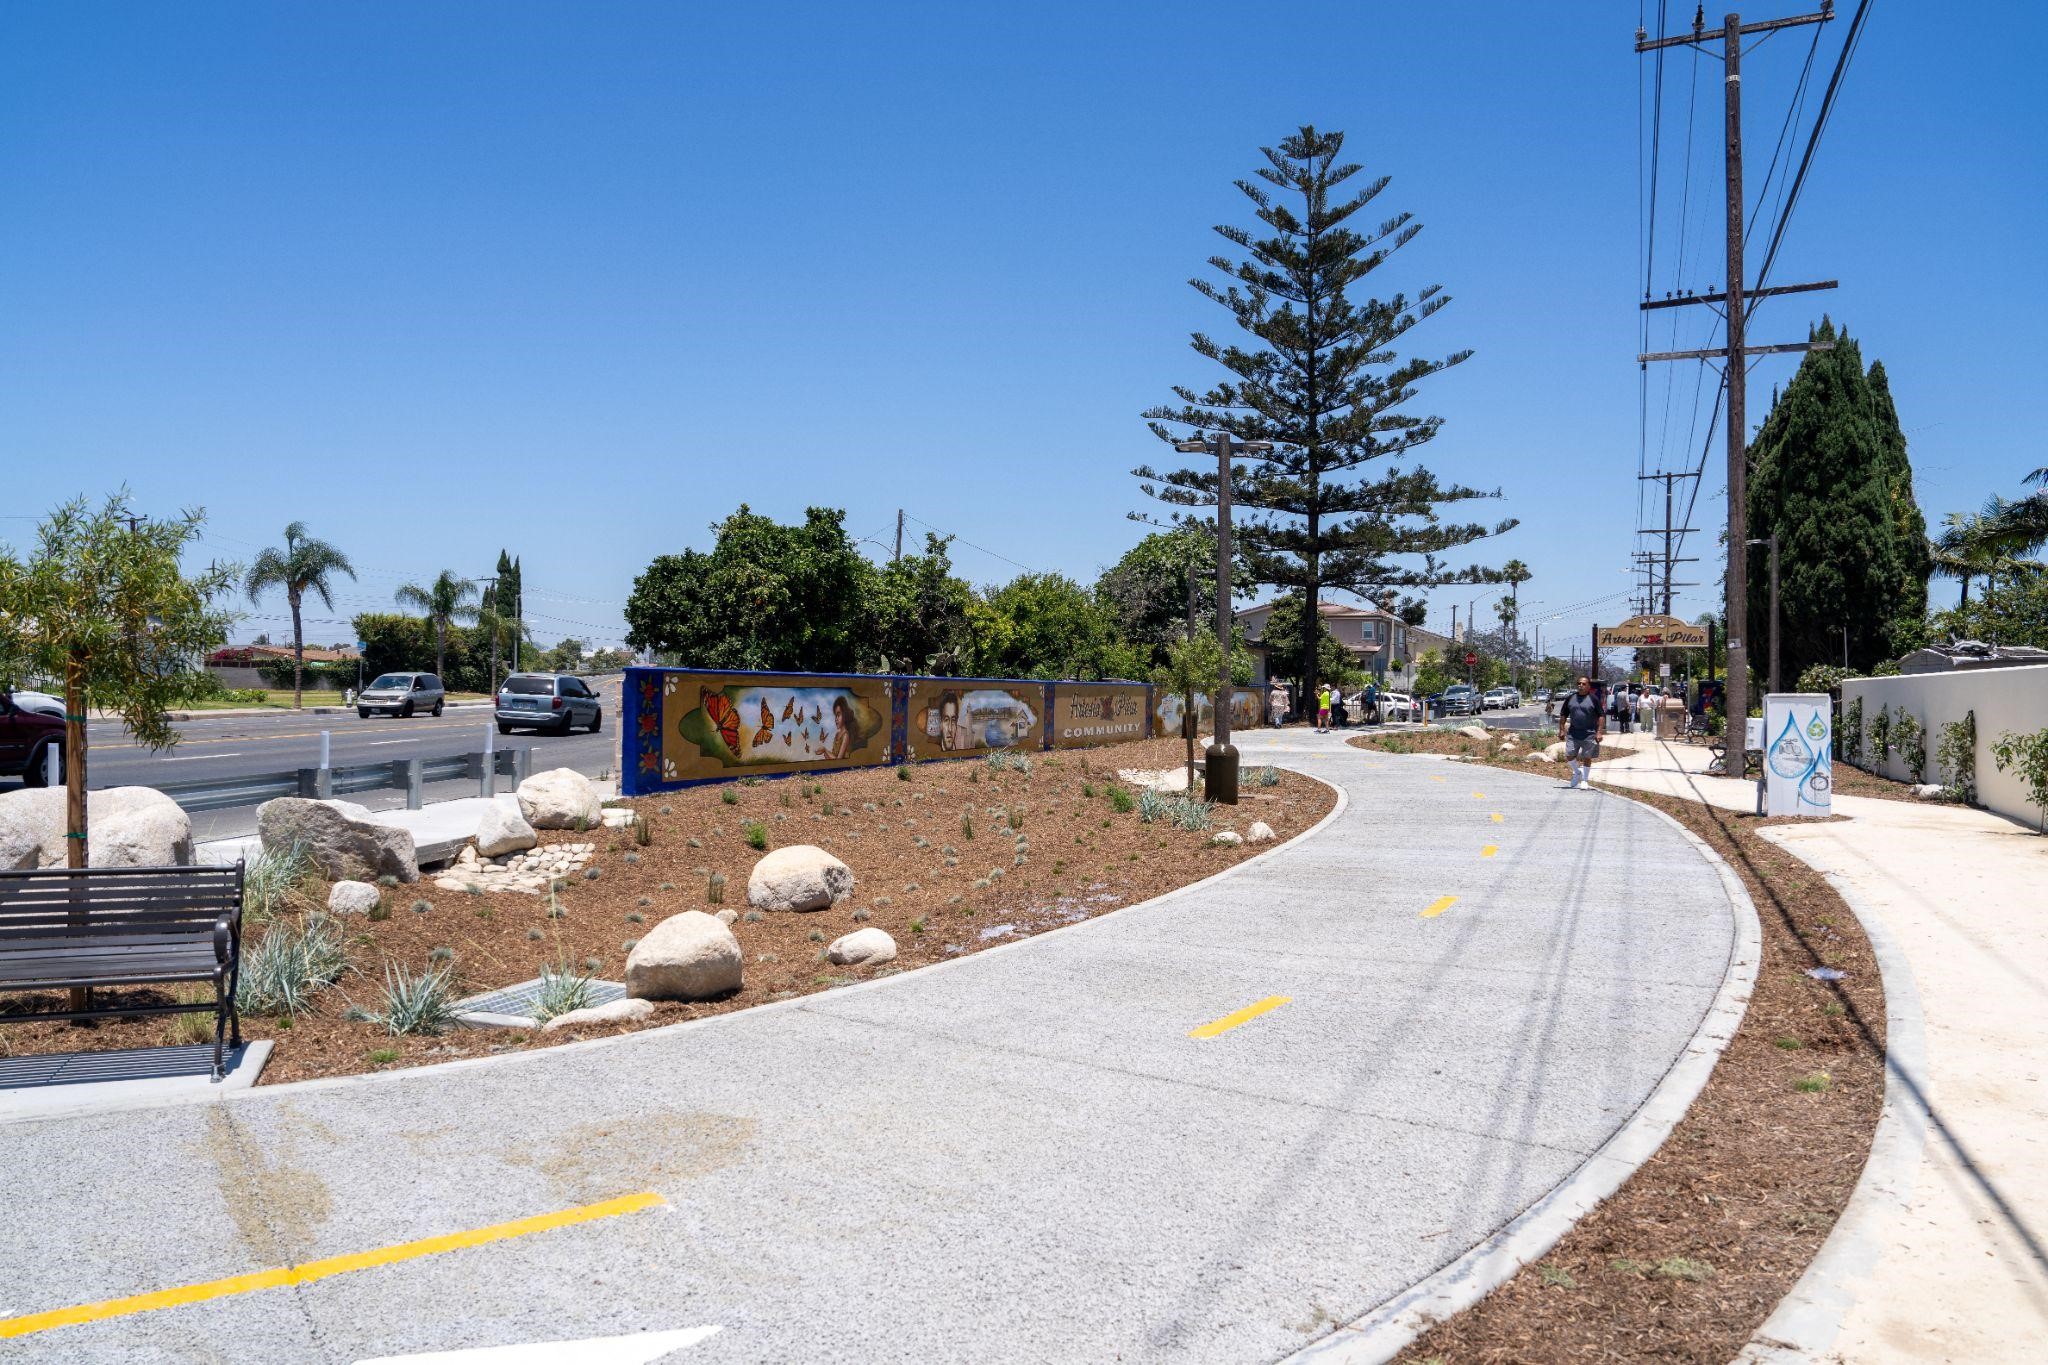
[
  {"x": 303, "y": 564},
  {"x": 450, "y": 597},
  {"x": 1960, "y": 551},
  {"x": 2021, "y": 527}
]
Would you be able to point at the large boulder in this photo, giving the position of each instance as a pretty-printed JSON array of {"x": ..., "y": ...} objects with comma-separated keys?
[
  {"x": 340, "y": 838},
  {"x": 503, "y": 830},
  {"x": 690, "y": 956},
  {"x": 800, "y": 877},
  {"x": 126, "y": 827},
  {"x": 861, "y": 948},
  {"x": 627, "y": 1011},
  {"x": 560, "y": 798}
]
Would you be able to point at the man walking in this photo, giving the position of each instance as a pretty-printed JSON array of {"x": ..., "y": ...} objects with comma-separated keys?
[
  {"x": 1623, "y": 710},
  {"x": 1372, "y": 702},
  {"x": 1582, "y": 724}
]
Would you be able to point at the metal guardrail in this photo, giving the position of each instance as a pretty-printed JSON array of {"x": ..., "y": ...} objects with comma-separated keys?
[{"x": 409, "y": 775}]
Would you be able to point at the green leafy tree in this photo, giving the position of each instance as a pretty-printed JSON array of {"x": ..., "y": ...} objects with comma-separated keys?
[
  {"x": 394, "y": 643},
  {"x": 1338, "y": 502},
  {"x": 919, "y": 612},
  {"x": 1433, "y": 675},
  {"x": 768, "y": 596},
  {"x": 1285, "y": 638},
  {"x": 610, "y": 660},
  {"x": 1191, "y": 668},
  {"x": 102, "y": 604},
  {"x": 1829, "y": 475},
  {"x": 449, "y": 598},
  {"x": 1045, "y": 626},
  {"x": 1146, "y": 592},
  {"x": 305, "y": 564}
]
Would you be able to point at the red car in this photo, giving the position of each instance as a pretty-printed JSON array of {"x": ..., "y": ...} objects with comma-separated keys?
[{"x": 25, "y": 736}]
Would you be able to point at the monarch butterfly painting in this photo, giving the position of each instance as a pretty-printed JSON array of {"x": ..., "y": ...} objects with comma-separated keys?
[
  {"x": 767, "y": 730},
  {"x": 722, "y": 714},
  {"x": 789, "y": 708}
]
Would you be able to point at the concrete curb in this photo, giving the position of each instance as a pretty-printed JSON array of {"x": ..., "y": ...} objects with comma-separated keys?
[
  {"x": 1809, "y": 1318},
  {"x": 1388, "y": 1329},
  {"x": 639, "y": 1036}
]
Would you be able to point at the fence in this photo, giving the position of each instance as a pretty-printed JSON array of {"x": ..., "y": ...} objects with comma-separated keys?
[
  {"x": 684, "y": 726},
  {"x": 409, "y": 775},
  {"x": 2002, "y": 700}
]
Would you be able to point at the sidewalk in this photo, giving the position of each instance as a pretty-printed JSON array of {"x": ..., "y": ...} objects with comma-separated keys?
[
  {"x": 1209, "y": 1128},
  {"x": 1943, "y": 1254}
]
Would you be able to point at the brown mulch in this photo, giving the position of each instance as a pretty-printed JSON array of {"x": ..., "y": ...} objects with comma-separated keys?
[
  {"x": 1080, "y": 859},
  {"x": 1688, "y": 1258}
]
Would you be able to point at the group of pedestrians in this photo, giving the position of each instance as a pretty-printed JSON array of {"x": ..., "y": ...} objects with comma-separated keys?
[{"x": 1331, "y": 703}]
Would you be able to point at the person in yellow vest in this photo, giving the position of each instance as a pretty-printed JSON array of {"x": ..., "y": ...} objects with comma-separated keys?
[{"x": 1322, "y": 708}]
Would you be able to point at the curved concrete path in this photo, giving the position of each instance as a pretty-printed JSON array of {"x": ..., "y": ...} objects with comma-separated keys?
[{"x": 1022, "y": 1155}]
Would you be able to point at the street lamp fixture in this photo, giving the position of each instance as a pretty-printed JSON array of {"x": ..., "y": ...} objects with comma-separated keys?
[{"x": 1219, "y": 765}]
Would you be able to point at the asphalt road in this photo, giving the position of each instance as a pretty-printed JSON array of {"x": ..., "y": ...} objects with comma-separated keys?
[
  {"x": 234, "y": 744},
  {"x": 1207, "y": 1129}
]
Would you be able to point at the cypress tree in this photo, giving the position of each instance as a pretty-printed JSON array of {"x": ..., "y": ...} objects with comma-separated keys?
[
  {"x": 1337, "y": 503},
  {"x": 1830, "y": 475}
]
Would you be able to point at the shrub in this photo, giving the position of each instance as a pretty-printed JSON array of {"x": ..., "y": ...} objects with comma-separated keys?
[
  {"x": 2028, "y": 754},
  {"x": 441, "y": 955},
  {"x": 1911, "y": 742},
  {"x": 729, "y": 796},
  {"x": 1823, "y": 678},
  {"x": 1881, "y": 735},
  {"x": 1152, "y": 805},
  {"x": 561, "y": 989},
  {"x": 1958, "y": 754},
  {"x": 1190, "y": 813},
  {"x": 1266, "y": 776},
  {"x": 273, "y": 881},
  {"x": 422, "y": 906},
  {"x": 902, "y": 772},
  {"x": 1088, "y": 790},
  {"x": 1121, "y": 801},
  {"x": 290, "y": 963},
  {"x": 756, "y": 834},
  {"x": 417, "y": 1003},
  {"x": 1850, "y": 738}
]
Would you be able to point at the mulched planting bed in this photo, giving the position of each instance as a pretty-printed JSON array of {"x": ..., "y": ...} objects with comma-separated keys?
[
  {"x": 1688, "y": 1258},
  {"x": 1047, "y": 848}
]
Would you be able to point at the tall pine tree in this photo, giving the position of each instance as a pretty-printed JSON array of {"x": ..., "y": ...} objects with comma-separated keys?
[
  {"x": 1828, "y": 472},
  {"x": 1334, "y": 505}
]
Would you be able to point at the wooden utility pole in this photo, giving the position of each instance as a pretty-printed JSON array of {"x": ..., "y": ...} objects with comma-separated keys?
[
  {"x": 1735, "y": 354},
  {"x": 1667, "y": 559}
]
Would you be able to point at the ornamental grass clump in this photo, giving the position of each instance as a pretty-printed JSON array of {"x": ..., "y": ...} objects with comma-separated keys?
[
  {"x": 290, "y": 964},
  {"x": 562, "y": 989},
  {"x": 417, "y": 1003},
  {"x": 1153, "y": 806},
  {"x": 1121, "y": 801},
  {"x": 1190, "y": 813},
  {"x": 756, "y": 834},
  {"x": 274, "y": 880}
]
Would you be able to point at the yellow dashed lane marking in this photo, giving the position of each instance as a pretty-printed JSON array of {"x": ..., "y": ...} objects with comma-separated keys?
[
  {"x": 281, "y": 1276},
  {"x": 1478, "y": 796},
  {"x": 1436, "y": 779},
  {"x": 1489, "y": 851},
  {"x": 1243, "y": 1016},
  {"x": 1438, "y": 906},
  {"x": 1498, "y": 818}
]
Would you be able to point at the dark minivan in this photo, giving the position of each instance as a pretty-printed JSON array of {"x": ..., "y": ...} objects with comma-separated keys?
[{"x": 25, "y": 737}]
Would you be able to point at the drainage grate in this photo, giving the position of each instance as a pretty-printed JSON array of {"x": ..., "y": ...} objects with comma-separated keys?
[{"x": 519, "y": 1001}]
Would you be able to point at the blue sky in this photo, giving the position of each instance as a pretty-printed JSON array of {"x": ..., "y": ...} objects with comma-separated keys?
[{"x": 578, "y": 279}]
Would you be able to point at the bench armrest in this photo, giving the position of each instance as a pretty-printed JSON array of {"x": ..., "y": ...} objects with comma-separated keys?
[{"x": 223, "y": 941}]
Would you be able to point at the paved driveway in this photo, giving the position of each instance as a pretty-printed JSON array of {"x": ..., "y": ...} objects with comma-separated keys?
[{"x": 1422, "y": 1017}]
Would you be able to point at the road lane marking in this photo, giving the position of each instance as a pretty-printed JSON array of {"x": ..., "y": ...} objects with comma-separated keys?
[
  {"x": 1436, "y": 779},
  {"x": 1489, "y": 850},
  {"x": 189, "y": 758},
  {"x": 1479, "y": 796},
  {"x": 635, "y": 1349},
  {"x": 280, "y": 1276},
  {"x": 376, "y": 743},
  {"x": 1243, "y": 1016},
  {"x": 1498, "y": 818},
  {"x": 1438, "y": 906}
]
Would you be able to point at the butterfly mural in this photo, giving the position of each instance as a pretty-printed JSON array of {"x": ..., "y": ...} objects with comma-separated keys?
[
  {"x": 789, "y": 708},
  {"x": 722, "y": 714},
  {"x": 767, "y": 730}
]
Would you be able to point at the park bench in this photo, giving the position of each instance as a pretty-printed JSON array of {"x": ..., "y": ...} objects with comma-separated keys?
[{"x": 75, "y": 928}]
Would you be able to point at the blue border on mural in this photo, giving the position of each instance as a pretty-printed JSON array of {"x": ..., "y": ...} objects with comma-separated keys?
[{"x": 634, "y": 754}]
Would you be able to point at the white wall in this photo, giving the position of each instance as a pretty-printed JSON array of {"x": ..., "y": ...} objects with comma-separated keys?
[{"x": 2003, "y": 698}]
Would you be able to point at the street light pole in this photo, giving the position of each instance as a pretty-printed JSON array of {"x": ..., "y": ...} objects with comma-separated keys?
[
  {"x": 1220, "y": 759},
  {"x": 1772, "y": 541}
]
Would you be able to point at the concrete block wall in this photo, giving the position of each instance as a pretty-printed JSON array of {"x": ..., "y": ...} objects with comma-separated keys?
[{"x": 2003, "y": 698}]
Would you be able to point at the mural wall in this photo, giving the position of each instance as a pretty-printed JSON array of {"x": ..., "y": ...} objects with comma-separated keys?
[
  {"x": 1247, "y": 711},
  {"x": 950, "y": 716},
  {"x": 1097, "y": 713},
  {"x": 683, "y": 726}
]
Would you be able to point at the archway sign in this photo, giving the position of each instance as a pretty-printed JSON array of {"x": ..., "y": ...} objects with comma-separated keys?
[{"x": 1651, "y": 632}]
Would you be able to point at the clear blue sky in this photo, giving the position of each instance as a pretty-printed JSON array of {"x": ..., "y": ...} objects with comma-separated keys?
[{"x": 577, "y": 279}]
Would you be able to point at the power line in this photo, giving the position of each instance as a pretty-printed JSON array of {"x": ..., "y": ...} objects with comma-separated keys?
[
  {"x": 1820, "y": 124},
  {"x": 969, "y": 544}
]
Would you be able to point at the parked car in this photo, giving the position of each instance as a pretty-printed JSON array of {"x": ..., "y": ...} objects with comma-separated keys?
[
  {"x": 27, "y": 733},
  {"x": 1398, "y": 706},
  {"x": 548, "y": 701},
  {"x": 1460, "y": 699},
  {"x": 1501, "y": 699},
  {"x": 402, "y": 694},
  {"x": 1543, "y": 695}
]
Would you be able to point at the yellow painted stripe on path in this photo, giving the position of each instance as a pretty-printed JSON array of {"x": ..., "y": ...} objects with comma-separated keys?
[
  {"x": 1489, "y": 851},
  {"x": 1438, "y": 906},
  {"x": 1436, "y": 779},
  {"x": 280, "y": 1276},
  {"x": 1498, "y": 818},
  {"x": 1478, "y": 796},
  {"x": 1243, "y": 1016}
]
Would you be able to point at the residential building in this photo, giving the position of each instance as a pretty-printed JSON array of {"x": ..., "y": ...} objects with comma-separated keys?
[{"x": 1381, "y": 642}]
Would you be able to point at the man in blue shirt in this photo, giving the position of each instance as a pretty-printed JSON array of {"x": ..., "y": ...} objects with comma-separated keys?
[{"x": 1582, "y": 724}]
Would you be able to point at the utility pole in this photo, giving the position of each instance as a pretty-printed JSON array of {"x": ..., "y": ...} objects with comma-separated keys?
[
  {"x": 899, "y": 537},
  {"x": 1219, "y": 780},
  {"x": 1650, "y": 560},
  {"x": 1735, "y": 354}
]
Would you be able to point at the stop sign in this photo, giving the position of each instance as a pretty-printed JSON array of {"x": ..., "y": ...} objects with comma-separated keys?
[{"x": 1471, "y": 659}]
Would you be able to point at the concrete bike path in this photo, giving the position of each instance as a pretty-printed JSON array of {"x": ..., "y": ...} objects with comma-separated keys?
[{"x": 1021, "y": 1155}]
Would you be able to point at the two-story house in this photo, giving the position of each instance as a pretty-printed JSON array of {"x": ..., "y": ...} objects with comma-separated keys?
[{"x": 1381, "y": 642}]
